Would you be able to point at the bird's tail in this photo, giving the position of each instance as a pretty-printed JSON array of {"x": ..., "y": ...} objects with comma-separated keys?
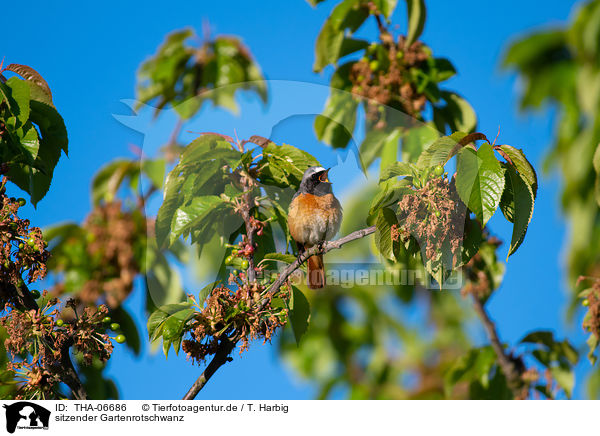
[{"x": 315, "y": 271}]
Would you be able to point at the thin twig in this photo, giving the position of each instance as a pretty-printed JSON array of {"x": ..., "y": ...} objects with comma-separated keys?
[
  {"x": 221, "y": 358},
  {"x": 327, "y": 246},
  {"x": 507, "y": 363}
]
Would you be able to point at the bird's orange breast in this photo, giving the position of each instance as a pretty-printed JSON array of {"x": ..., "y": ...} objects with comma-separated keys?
[{"x": 314, "y": 218}]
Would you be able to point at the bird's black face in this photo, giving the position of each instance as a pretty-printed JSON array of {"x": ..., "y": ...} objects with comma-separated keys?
[{"x": 315, "y": 181}]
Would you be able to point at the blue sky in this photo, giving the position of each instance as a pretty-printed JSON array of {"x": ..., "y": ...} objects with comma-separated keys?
[{"x": 89, "y": 54}]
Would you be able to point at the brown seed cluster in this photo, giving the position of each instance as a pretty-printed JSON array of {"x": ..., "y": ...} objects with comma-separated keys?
[
  {"x": 435, "y": 217},
  {"x": 386, "y": 77},
  {"x": 475, "y": 270},
  {"x": 22, "y": 248},
  {"x": 591, "y": 322},
  {"x": 112, "y": 235},
  {"x": 239, "y": 316},
  {"x": 39, "y": 335}
]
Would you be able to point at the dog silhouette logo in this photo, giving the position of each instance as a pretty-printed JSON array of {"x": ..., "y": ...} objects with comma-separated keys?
[{"x": 26, "y": 415}]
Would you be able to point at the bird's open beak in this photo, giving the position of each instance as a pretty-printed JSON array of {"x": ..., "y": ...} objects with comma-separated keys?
[{"x": 324, "y": 176}]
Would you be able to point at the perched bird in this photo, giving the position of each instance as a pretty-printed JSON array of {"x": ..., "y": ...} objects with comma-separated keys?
[{"x": 314, "y": 217}]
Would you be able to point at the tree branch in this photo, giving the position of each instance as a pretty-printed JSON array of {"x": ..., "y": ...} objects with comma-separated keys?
[
  {"x": 220, "y": 358},
  {"x": 507, "y": 363},
  {"x": 65, "y": 369},
  {"x": 226, "y": 346},
  {"x": 327, "y": 246}
]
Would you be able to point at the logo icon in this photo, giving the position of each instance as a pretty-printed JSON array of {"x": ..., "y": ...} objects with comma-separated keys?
[{"x": 26, "y": 415}]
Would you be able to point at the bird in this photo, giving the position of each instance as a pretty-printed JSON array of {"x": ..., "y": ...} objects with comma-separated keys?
[{"x": 314, "y": 216}]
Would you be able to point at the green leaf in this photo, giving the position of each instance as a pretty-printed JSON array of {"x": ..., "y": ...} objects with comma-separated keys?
[
  {"x": 523, "y": 202},
  {"x": 30, "y": 140},
  {"x": 128, "y": 328},
  {"x": 398, "y": 169},
  {"x": 480, "y": 181},
  {"x": 389, "y": 192},
  {"x": 186, "y": 217},
  {"x": 374, "y": 143},
  {"x": 441, "y": 150},
  {"x": 443, "y": 69},
  {"x": 564, "y": 377},
  {"x": 335, "y": 126},
  {"x": 20, "y": 92},
  {"x": 163, "y": 284},
  {"x": 108, "y": 179},
  {"x": 349, "y": 14},
  {"x": 206, "y": 291},
  {"x": 284, "y": 165},
  {"x": 169, "y": 321},
  {"x": 386, "y": 7},
  {"x": 596, "y": 163},
  {"x": 160, "y": 315},
  {"x": 475, "y": 366},
  {"x": 299, "y": 313},
  {"x": 155, "y": 171},
  {"x": 386, "y": 218},
  {"x": 522, "y": 165},
  {"x": 416, "y": 19},
  {"x": 459, "y": 114},
  {"x": 172, "y": 200},
  {"x": 416, "y": 140},
  {"x": 530, "y": 52},
  {"x": 33, "y": 77}
]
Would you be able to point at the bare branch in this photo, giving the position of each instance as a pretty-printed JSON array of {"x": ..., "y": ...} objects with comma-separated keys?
[
  {"x": 507, "y": 362},
  {"x": 221, "y": 358}
]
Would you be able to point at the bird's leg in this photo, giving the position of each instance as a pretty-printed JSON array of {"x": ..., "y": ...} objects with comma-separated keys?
[
  {"x": 301, "y": 249},
  {"x": 321, "y": 245}
]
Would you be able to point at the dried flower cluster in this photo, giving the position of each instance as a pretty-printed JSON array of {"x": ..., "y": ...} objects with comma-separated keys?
[
  {"x": 385, "y": 78},
  {"x": 591, "y": 321},
  {"x": 22, "y": 248},
  {"x": 434, "y": 216},
  {"x": 239, "y": 316},
  {"x": 479, "y": 283},
  {"x": 47, "y": 340},
  {"x": 112, "y": 235}
]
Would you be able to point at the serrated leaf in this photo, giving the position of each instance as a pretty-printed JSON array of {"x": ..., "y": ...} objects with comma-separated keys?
[
  {"x": 480, "y": 181},
  {"x": 522, "y": 165},
  {"x": 30, "y": 74},
  {"x": 442, "y": 150},
  {"x": 186, "y": 217},
  {"x": 523, "y": 201},
  {"x": 284, "y": 165},
  {"x": 386, "y": 218},
  {"x": 398, "y": 169}
]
